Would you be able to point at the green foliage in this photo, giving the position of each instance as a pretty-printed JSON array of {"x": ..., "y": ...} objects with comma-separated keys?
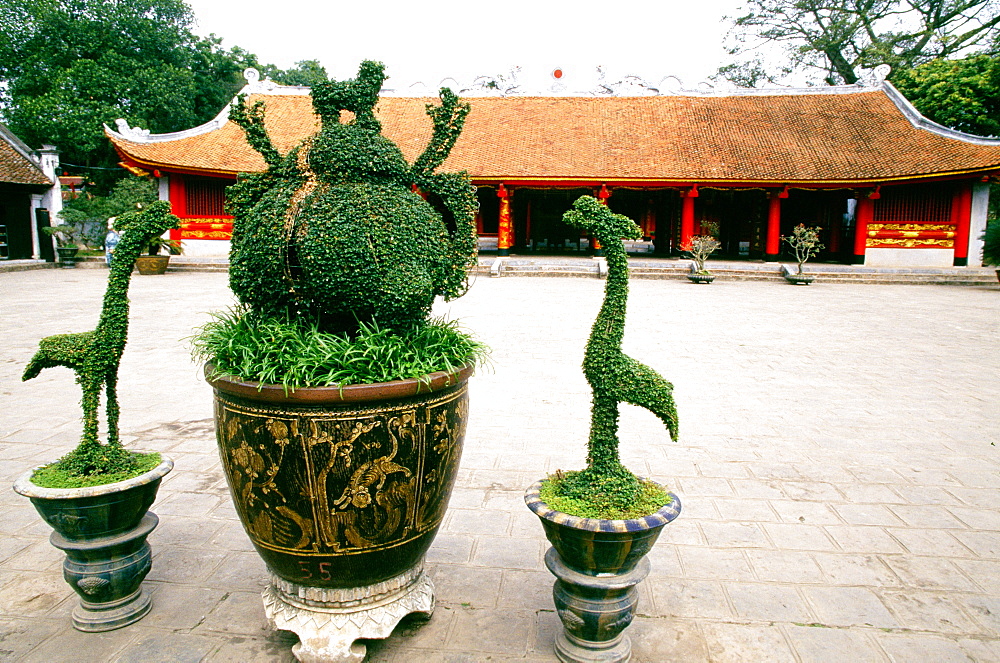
[
  {"x": 837, "y": 39},
  {"x": 614, "y": 377},
  {"x": 67, "y": 234},
  {"x": 95, "y": 355},
  {"x": 702, "y": 246},
  {"x": 804, "y": 242},
  {"x": 991, "y": 243},
  {"x": 71, "y": 66},
  {"x": 296, "y": 353},
  {"x": 961, "y": 94},
  {"x": 81, "y": 468},
  {"x": 305, "y": 72},
  {"x": 562, "y": 493},
  {"x": 333, "y": 232},
  {"x": 89, "y": 213}
]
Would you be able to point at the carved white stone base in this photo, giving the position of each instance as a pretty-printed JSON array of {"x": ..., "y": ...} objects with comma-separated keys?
[{"x": 328, "y": 621}]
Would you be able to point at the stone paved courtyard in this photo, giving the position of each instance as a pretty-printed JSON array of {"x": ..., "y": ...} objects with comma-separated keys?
[{"x": 840, "y": 487}]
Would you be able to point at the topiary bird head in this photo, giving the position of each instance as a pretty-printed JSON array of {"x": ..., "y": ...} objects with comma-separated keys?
[
  {"x": 592, "y": 216},
  {"x": 354, "y": 150}
]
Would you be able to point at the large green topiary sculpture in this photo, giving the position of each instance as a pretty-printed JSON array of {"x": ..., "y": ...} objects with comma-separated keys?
[
  {"x": 95, "y": 355},
  {"x": 334, "y": 232},
  {"x": 606, "y": 484}
]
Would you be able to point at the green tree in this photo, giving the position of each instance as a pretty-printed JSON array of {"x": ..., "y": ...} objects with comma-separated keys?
[
  {"x": 69, "y": 66},
  {"x": 305, "y": 72},
  {"x": 838, "y": 38},
  {"x": 962, "y": 94}
]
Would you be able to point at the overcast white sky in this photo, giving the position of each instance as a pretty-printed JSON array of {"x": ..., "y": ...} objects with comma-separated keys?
[{"x": 430, "y": 40}]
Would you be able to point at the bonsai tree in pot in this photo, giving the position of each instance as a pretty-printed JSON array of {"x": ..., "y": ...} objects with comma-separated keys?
[
  {"x": 804, "y": 242},
  {"x": 603, "y": 520},
  {"x": 69, "y": 237},
  {"x": 340, "y": 405},
  {"x": 153, "y": 261},
  {"x": 96, "y": 497},
  {"x": 701, "y": 247}
]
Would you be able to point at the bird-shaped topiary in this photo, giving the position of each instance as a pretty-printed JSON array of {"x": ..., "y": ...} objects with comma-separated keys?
[
  {"x": 95, "y": 355},
  {"x": 335, "y": 231},
  {"x": 614, "y": 377}
]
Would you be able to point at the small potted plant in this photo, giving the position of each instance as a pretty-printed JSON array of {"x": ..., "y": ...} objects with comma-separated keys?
[
  {"x": 804, "y": 242},
  {"x": 701, "y": 247},
  {"x": 601, "y": 521},
  {"x": 152, "y": 261},
  {"x": 96, "y": 497},
  {"x": 69, "y": 237},
  {"x": 340, "y": 405}
]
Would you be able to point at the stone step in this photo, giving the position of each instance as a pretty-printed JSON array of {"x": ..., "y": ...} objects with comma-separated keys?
[{"x": 641, "y": 268}]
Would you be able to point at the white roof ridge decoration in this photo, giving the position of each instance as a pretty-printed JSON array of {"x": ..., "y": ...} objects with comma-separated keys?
[{"x": 628, "y": 86}]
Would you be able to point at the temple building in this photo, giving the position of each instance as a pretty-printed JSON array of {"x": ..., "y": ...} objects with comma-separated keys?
[
  {"x": 30, "y": 197},
  {"x": 887, "y": 186}
]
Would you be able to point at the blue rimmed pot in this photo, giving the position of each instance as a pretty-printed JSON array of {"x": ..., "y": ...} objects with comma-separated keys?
[
  {"x": 597, "y": 564},
  {"x": 103, "y": 530}
]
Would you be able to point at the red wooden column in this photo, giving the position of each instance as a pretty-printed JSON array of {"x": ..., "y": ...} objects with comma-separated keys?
[
  {"x": 772, "y": 244},
  {"x": 962, "y": 213},
  {"x": 602, "y": 195},
  {"x": 687, "y": 215},
  {"x": 505, "y": 230},
  {"x": 864, "y": 214},
  {"x": 178, "y": 201}
]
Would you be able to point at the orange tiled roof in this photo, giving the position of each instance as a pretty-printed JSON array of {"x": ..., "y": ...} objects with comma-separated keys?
[
  {"x": 15, "y": 168},
  {"x": 858, "y": 136}
]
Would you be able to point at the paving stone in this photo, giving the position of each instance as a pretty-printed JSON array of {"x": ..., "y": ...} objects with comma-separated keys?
[
  {"x": 500, "y": 631},
  {"x": 450, "y": 549},
  {"x": 72, "y": 646},
  {"x": 714, "y": 563},
  {"x": 768, "y": 602},
  {"x": 867, "y": 514},
  {"x": 854, "y": 569},
  {"x": 31, "y": 593},
  {"x": 811, "y": 513},
  {"x": 666, "y": 640},
  {"x": 758, "y": 511},
  {"x": 796, "y": 536},
  {"x": 905, "y": 647},
  {"x": 784, "y": 566},
  {"x": 862, "y": 539},
  {"x": 934, "y": 573},
  {"x": 472, "y": 586},
  {"x": 849, "y": 606},
  {"x": 238, "y": 613},
  {"x": 746, "y": 642},
  {"x": 685, "y": 598},
  {"x": 822, "y": 644},
  {"x": 983, "y": 544},
  {"x": 739, "y": 535},
  {"x": 918, "y": 541},
  {"x": 510, "y": 553},
  {"x": 175, "y": 647},
  {"x": 928, "y": 611},
  {"x": 177, "y": 564}
]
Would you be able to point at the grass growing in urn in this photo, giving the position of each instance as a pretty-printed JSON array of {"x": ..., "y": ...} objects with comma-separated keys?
[
  {"x": 336, "y": 259},
  {"x": 298, "y": 353},
  {"x": 606, "y": 488}
]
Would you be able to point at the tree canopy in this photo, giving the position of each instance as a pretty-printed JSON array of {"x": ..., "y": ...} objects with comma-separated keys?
[
  {"x": 834, "y": 40},
  {"x": 962, "y": 94},
  {"x": 69, "y": 66}
]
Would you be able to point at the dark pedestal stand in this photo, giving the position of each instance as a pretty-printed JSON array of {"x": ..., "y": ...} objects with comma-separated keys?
[
  {"x": 595, "y": 610},
  {"x": 107, "y": 573}
]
